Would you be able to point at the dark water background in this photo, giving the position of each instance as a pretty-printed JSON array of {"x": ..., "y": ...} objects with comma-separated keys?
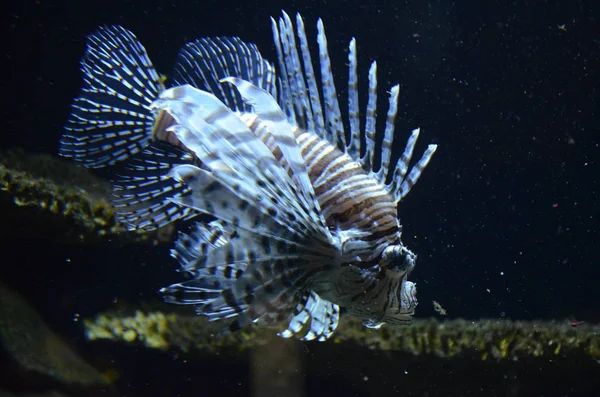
[{"x": 508, "y": 90}]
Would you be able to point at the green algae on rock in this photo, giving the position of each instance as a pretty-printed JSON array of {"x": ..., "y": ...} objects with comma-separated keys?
[
  {"x": 48, "y": 198},
  {"x": 485, "y": 339}
]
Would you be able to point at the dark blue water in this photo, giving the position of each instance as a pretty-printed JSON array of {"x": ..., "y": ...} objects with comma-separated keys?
[{"x": 509, "y": 204}]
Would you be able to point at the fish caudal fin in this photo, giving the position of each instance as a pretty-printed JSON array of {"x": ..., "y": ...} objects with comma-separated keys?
[
  {"x": 111, "y": 119},
  {"x": 143, "y": 190},
  {"x": 269, "y": 240}
]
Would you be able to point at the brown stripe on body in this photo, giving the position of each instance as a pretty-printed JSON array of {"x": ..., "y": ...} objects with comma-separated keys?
[
  {"x": 349, "y": 197},
  {"x": 162, "y": 123}
]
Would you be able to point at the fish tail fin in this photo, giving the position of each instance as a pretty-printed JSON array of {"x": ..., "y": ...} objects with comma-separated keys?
[
  {"x": 111, "y": 119},
  {"x": 142, "y": 190}
]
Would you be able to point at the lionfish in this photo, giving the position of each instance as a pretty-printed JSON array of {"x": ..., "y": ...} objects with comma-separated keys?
[{"x": 298, "y": 221}]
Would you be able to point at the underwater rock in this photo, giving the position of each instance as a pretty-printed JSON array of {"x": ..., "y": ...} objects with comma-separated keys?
[
  {"x": 484, "y": 339},
  {"x": 28, "y": 341},
  {"x": 47, "y": 198}
]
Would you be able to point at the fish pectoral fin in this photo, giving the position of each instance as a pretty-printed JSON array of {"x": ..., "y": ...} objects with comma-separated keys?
[
  {"x": 323, "y": 315},
  {"x": 143, "y": 192},
  {"x": 255, "y": 276}
]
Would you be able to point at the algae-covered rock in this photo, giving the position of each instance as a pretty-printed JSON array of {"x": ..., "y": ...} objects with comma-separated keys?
[
  {"x": 48, "y": 198},
  {"x": 487, "y": 339}
]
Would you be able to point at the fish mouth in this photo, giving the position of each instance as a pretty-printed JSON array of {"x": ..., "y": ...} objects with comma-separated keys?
[{"x": 403, "y": 315}]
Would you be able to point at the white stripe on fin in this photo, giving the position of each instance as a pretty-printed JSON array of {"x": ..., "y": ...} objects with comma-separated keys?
[
  {"x": 415, "y": 173},
  {"x": 295, "y": 74},
  {"x": 388, "y": 136},
  {"x": 267, "y": 109},
  {"x": 353, "y": 149},
  {"x": 323, "y": 314},
  {"x": 203, "y": 62},
  {"x": 311, "y": 82},
  {"x": 111, "y": 120},
  {"x": 371, "y": 120},
  {"x": 142, "y": 192},
  {"x": 333, "y": 117},
  {"x": 401, "y": 184},
  {"x": 327, "y": 119},
  {"x": 285, "y": 93}
]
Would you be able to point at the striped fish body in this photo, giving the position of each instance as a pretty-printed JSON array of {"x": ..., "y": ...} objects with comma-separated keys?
[
  {"x": 353, "y": 200},
  {"x": 303, "y": 222},
  {"x": 350, "y": 197},
  {"x": 377, "y": 291}
]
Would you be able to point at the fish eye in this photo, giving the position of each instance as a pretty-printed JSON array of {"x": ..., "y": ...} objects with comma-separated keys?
[{"x": 398, "y": 258}]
